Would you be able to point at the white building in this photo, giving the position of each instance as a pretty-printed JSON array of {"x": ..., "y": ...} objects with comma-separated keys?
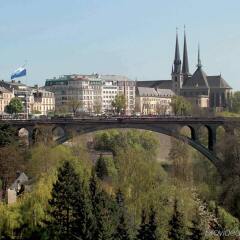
[
  {"x": 95, "y": 93},
  {"x": 43, "y": 102}
]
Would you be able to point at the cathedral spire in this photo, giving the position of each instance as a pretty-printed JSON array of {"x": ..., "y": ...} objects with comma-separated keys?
[
  {"x": 177, "y": 60},
  {"x": 199, "y": 64},
  {"x": 185, "y": 67}
]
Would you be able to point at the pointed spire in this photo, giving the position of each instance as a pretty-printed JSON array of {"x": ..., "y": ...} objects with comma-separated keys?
[
  {"x": 199, "y": 65},
  {"x": 177, "y": 60},
  {"x": 185, "y": 67}
]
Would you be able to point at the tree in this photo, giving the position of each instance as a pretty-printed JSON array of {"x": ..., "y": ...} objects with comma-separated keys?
[
  {"x": 101, "y": 168},
  {"x": 119, "y": 103},
  {"x": 69, "y": 211},
  {"x": 121, "y": 232},
  {"x": 142, "y": 233},
  {"x": 161, "y": 109},
  {"x": 74, "y": 105},
  {"x": 103, "y": 227},
  {"x": 197, "y": 230},
  {"x": 11, "y": 161},
  {"x": 15, "y": 106},
  {"x": 177, "y": 228},
  {"x": 7, "y": 135},
  {"x": 180, "y": 106},
  {"x": 235, "y": 102},
  {"x": 97, "y": 107},
  {"x": 152, "y": 225}
]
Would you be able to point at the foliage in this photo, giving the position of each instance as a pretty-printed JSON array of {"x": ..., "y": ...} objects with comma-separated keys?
[
  {"x": 119, "y": 104},
  {"x": 181, "y": 165},
  {"x": 122, "y": 231},
  {"x": 74, "y": 105},
  {"x": 180, "y": 106},
  {"x": 103, "y": 217},
  {"x": 97, "y": 107},
  {"x": 101, "y": 168},
  {"x": 7, "y": 135},
  {"x": 114, "y": 140},
  {"x": 143, "y": 229},
  {"x": 197, "y": 229},
  {"x": 177, "y": 227},
  {"x": 11, "y": 161},
  {"x": 235, "y": 102},
  {"x": 15, "y": 106},
  {"x": 69, "y": 209}
]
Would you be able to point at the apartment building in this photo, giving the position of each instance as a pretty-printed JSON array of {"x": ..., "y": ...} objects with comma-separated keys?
[
  {"x": 5, "y": 98},
  {"x": 21, "y": 91},
  {"x": 43, "y": 102},
  {"x": 94, "y": 92},
  {"x": 34, "y": 99},
  {"x": 125, "y": 87}
]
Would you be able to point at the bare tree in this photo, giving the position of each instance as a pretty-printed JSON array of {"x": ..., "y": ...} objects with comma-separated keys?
[
  {"x": 97, "y": 107},
  {"x": 74, "y": 105}
]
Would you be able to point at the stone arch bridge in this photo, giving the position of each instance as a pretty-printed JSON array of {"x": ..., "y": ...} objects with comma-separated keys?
[{"x": 170, "y": 126}]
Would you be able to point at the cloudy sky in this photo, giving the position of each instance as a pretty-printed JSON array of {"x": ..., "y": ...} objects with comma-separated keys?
[{"x": 130, "y": 37}]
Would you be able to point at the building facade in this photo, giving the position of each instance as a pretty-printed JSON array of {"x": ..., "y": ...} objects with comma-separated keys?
[
  {"x": 34, "y": 99},
  {"x": 22, "y": 92},
  {"x": 43, "y": 102},
  {"x": 150, "y": 101},
  {"x": 5, "y": 98},
  {"x": 95, "y": 92}
]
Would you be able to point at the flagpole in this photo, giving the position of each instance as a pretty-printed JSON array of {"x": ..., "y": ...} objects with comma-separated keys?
[{"x": 26, "y": 79}]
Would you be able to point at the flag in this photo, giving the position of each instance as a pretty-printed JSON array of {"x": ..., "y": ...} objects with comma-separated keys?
[{"x": 20, "y": 72}]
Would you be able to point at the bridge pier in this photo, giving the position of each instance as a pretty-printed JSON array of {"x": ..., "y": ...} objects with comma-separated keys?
[{"x": 212, "y": 138}]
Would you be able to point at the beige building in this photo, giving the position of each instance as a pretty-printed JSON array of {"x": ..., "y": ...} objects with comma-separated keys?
[
  {"x": 5, "y": 98},
  {"x": 43, "y": 102},
  {"x": 150, "y": 101},
  {"x": 93, "y": 91}
]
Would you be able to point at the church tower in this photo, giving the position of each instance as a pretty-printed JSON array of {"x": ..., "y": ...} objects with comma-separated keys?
[
  {"x": 185, "y": 67},
  {"x": 176, "y": 70}
]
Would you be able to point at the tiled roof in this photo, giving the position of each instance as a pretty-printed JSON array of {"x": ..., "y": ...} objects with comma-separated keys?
[
  {"x": 146, "y": 91},
  {"x": 163, "y": 84},
  {"x": 4, "y": 90},
  {"x": 165, "y": 92}
]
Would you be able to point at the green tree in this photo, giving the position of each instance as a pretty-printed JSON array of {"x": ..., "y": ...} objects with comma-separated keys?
[
  {"x": 7, "y": 135},
  {"x": 142, "y": 233},
  {"x": 122, "y": 231},
  {"x": 197, "y": 229},
  {"x": 177, "y": 227},
  {"x": 119, "y": 104},
  {"x": 68, "y": 206},
  {"x": 180, "y": 106},
  {"x": 103, "y": 227},
  {"x": 235, "y": 102},
  {"x": 15, "y": 106},
  {"x": 101, "y": 168},
  {"x": 152, "y": 235}
]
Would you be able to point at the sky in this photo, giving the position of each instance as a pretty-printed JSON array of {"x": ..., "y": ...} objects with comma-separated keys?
[{"x": 135, "y": 38}]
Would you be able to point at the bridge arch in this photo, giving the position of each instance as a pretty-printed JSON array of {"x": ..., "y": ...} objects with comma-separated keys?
[{"x": 172, "y": 132}]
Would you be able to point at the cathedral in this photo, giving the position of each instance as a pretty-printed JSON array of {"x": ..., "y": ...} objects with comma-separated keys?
[{"x": 201, "y": 89}]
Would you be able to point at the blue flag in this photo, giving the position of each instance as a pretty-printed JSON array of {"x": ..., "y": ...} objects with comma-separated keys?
[{"x": 20, "y": 72}]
